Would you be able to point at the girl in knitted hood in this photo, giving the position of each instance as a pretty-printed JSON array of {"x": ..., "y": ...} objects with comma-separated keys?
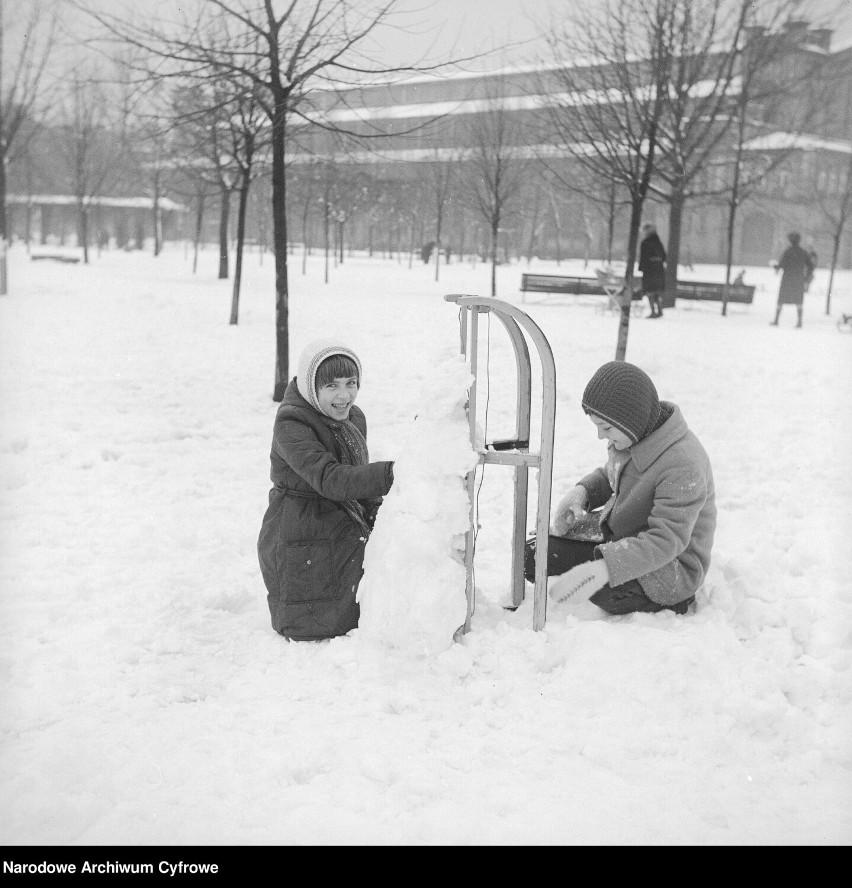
[
  {"x": 324, "y": 498},
  {"x": 657, "y": 505}
]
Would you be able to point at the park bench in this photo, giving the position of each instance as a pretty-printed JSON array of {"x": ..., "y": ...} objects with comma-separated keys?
[
  {"x": 707, "y": 291},
  {"x": 56, "y": 257},
  {"x": 611, "y": 286},
  {"x": 603, "y": 284}
]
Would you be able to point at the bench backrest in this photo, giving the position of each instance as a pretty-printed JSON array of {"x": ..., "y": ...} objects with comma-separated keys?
[
  {"x": 714, "y": 292},
  {"x": 546, "y": 282}
]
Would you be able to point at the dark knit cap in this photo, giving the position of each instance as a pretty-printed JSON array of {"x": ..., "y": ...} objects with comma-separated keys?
[{"x": 624, "y": 396}]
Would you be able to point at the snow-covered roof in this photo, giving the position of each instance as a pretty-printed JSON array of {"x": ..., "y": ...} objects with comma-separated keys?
[
  {"x": 434, "y": 155},
  {"x": 782, "y": 141},
  {"x": 532, "y": 102},
  {"x": 55, "y": 200}
]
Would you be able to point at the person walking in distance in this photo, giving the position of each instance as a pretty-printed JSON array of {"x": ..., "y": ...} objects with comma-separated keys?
[
  {"x": 797, "y": 268},
  {"x": 652, "y": 264}
]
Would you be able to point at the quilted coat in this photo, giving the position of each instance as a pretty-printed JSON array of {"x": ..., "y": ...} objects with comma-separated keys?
[{"x": 310, "y": 548}]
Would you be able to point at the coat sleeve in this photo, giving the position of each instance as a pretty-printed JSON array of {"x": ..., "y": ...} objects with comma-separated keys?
[
  {"x": 302, "y": 450},
  {"x": 679, "y": 496}
]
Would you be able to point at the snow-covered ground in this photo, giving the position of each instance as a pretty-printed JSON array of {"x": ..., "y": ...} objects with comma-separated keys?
[{"x": 146, "y": 700}]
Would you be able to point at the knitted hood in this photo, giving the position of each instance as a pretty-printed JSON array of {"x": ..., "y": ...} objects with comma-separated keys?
[
  {"x": 313, "y": 354},
  {"x": 623, "y": 395}
]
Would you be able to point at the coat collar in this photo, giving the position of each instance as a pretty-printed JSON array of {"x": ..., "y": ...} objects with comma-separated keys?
[{"x": 646, "y": 451}]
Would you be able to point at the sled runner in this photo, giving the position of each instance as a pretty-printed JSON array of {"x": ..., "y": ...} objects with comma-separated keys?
[{"x": 516, "y": 451}]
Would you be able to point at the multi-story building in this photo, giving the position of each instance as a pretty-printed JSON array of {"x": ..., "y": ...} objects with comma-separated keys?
[{"x": 796, "y": 163}]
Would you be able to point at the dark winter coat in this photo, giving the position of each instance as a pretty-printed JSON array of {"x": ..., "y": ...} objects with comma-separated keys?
[
  {"x": 659, "y": 515},
  {"x": 652, "y": 264},
  {"x": 311, "y": 550},
  {"x": 797, "y": 268}
]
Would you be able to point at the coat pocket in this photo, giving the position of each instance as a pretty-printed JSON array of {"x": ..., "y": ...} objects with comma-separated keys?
[{"x": 308, "y": 573}]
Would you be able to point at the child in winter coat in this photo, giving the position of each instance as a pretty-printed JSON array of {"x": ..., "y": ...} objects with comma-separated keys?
[
  {"x": 659, "y": 511},
  {"x": 324, "y": 500}
]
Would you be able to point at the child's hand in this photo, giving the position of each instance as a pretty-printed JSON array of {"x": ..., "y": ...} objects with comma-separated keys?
[
  {"x": 571, "y": 507},
  {"x": 581, "y": 582}
]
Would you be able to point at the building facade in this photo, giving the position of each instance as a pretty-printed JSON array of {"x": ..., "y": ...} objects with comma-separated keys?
[{"x": 383, "y": 175}]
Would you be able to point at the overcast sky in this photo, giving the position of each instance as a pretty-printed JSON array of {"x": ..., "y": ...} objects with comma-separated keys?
[
  {"x": 509, "y": 30},
  {"x": 477, "y": 26}
]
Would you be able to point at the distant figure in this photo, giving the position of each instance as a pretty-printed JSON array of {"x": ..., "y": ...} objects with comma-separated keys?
[
  {"x": 740, "y": 278},
  {"x": 797, "y": 268},
  {"x": 426, "y": 252},
  {"x": 652, "y": 264}
]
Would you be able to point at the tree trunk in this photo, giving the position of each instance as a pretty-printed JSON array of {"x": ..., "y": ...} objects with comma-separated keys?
[
  {"x": 156, "y": 214},
  {"x": 557, "y": 223},
  {"x": 305, "y": 212},
  {"x": 835, "y": 252},
  {"x": 729, "y": 238},
  {"x": 627, "y": 295},
  {"x": 241, "y": 235},
  {"x": 733, "y": 206},
  {"x": 610, "y": 225},
  {"x": 327, "y": 239},
  {"x": 279, "y": 237},
  {"x": 83, "y": 230},
  {"x": 4, "y": 238},
  {"x": 532, "y": 243},
  {"x": 224, "y": 213},
  {"x": 439, "y": 233},
  {"x": 199, "y": 219},
  {"x": 4, "y": 219},
  {"x": 673, "y": 259},
  {"x": 495, "y": 231}
]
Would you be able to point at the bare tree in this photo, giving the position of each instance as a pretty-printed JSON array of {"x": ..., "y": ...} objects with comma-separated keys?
[
  {"x": 703, "y": 44},
  {"x": 495, "y": 170},
  {"x": 286, "y": 51},
  {"x": 88, "y": 150},
  {"x": 27, "y": 41},
  {"x": 605, "y": 114},
  {"x": 248, "y": 138},
  {"x": 837, "y": 208},
  {"x": 442, "y": 179}
]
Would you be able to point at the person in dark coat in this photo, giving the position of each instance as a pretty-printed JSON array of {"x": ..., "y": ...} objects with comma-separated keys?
[
  {"x": 324, "y": 501},
  {"x": 652, "y": 264},
  {"x": 797, "y": 268}
]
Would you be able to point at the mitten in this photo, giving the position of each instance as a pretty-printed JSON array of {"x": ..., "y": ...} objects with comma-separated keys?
[
  {"x": 581, "y": 582},
  {"x": 371, "y": 511},
  {"x": 571, "y": 507}
]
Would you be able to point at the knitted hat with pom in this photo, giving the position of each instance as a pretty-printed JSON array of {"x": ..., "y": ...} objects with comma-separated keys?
[
  {"x": 313, "y": 354},
  {"x": 623, "y": 395}
]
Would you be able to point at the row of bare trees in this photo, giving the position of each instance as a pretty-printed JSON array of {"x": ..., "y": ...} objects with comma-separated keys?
[
  {"x": 670, "y": 86},
  {"x": 217, "y": 93}
]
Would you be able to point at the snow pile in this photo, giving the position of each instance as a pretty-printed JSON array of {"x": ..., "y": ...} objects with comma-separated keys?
[
  {"x": 145, "y": 699},
  {"x": 422, "y": 522}
]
